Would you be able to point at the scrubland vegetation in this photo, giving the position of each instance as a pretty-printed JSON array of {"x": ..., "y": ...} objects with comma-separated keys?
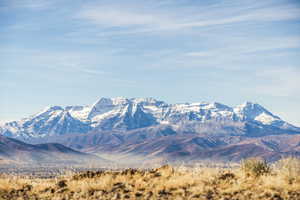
[{"x": 253, "y": 179}]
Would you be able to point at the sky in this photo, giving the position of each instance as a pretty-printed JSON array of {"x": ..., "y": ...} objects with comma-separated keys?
[{"x": 72, "y": 52}]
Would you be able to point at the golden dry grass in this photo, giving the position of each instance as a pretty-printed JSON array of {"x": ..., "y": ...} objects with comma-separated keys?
[{"x": 281, "y": 181}]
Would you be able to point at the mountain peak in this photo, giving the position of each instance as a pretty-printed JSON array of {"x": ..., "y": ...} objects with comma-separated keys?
[
  {"x": 103, "y": 101},
  {"x": 120, "y": 100},
  {"x": 250, "y": 106},
  {"x": 52, "y": 108},
  {"x": 131, "y": 113},
  {"x": 47, "y": 111},
  {"x": 219, "y": 106},
  {"x": 124, "y": 101},
  {"x": 256, "y": 112}
]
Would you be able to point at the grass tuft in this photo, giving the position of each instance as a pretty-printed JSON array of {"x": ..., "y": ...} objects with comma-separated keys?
[{"x": 289, "y": 168}]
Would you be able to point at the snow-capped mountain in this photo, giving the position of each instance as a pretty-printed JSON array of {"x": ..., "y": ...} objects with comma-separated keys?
[{"x": 123, "y": 114}]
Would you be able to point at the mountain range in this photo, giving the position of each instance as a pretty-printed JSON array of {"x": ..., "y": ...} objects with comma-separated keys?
[
  {"x": 151, "y": 128},
  {"x": 17, "y": 152}
]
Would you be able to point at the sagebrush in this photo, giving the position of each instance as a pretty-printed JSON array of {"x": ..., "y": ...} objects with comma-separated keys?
[{"x": 262, "y": 182}]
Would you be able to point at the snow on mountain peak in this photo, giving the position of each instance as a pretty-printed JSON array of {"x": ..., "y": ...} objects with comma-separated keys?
[
  {"x": 218, "y": 106},
  {"x": 120, "y": 101},
  {"x": 124, "y": 113},
  {"x": 147, "y": 101},
  {"x": 101, "y": 106},
  {"x": 49, "y": 109},
  {"x": 254, "y": 111}
]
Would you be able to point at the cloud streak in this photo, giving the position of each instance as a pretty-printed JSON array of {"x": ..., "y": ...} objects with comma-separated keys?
[
  {"x": 250, "y": 47},
  {"x": 142, "y": 20},
  {"x": 28, "y": 4}
]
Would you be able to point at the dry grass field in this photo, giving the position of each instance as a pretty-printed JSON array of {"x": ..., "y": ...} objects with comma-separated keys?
[{"x": 253, "y": 179}]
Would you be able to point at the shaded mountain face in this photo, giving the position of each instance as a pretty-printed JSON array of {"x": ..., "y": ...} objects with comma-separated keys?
[
  {"x": 212, "y": 148},
  {"x": 54, "y": 153},
  {"x": 164, "y": 143},
  {"x": 123, "y": 115}
]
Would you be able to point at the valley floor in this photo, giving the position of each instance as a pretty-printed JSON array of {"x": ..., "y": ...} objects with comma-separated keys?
[{"x": 254, "y": 179}]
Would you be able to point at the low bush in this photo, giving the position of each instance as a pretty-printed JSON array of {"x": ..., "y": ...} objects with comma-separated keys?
[{"x": 255, "y": 167}]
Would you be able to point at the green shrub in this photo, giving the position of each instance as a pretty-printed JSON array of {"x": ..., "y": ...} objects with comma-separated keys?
[{"x": 255, "y": 167}]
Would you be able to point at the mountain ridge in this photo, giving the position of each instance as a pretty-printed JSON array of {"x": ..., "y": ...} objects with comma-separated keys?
[
  {"x": 125, "y": 114},
  {"x": 46, "y": 153}
]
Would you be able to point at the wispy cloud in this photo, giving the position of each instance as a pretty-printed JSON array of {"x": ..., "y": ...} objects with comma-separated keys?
[
  {"x": 92, "y": 71},
  {"x": 138, "y": 19},
  {"x": 277, "y": 13},
  {"x": 249, "y": 47},
  {"x": 112, "y": 17},
  {"x": 28, "y": 4},
  {"x": 79, "y": 64},
  {"x": 64, "y": 61},
  {"x": 201, "y": 53},
  {"x": 67, "y": 66},
  {"x": 234, "y": 54}
]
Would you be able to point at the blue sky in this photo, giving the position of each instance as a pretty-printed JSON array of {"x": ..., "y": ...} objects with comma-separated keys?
[{"x": 64, "y": 52}]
